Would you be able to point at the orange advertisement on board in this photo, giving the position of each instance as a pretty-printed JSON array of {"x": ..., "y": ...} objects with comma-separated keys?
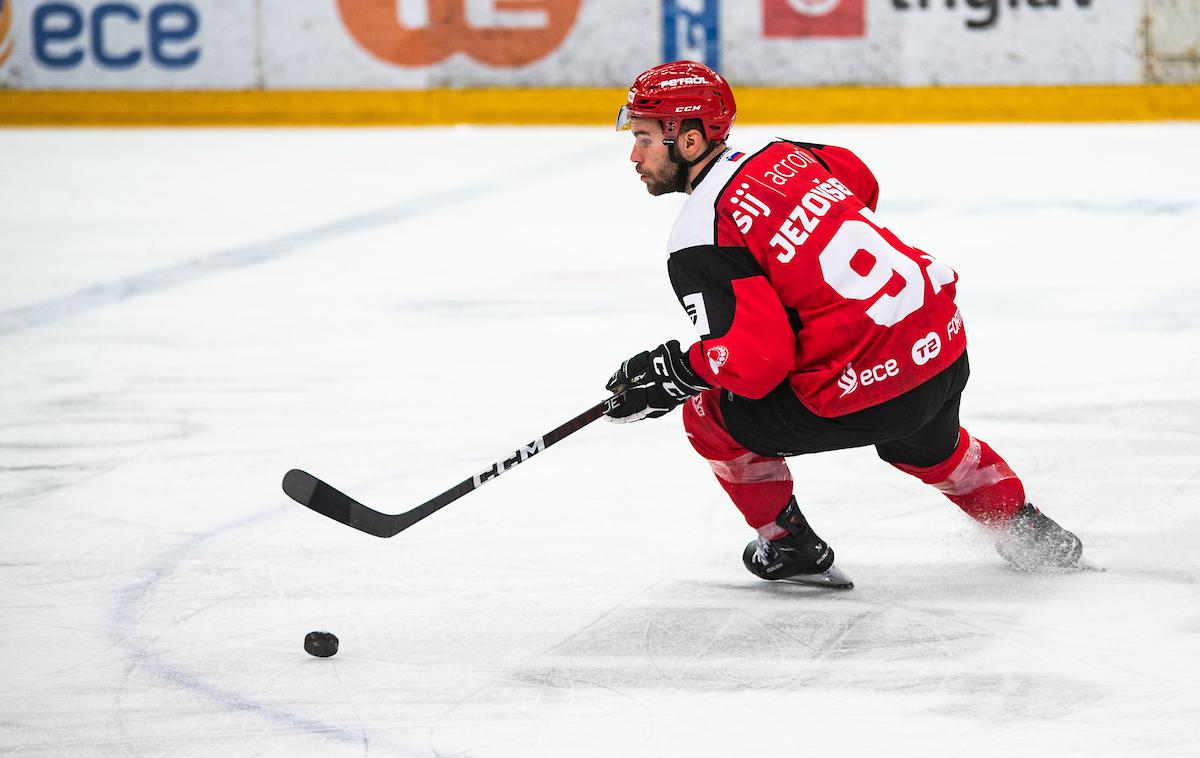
[
  {"x": 425, "y": 32},
  {"x": 6, "y": 43}
]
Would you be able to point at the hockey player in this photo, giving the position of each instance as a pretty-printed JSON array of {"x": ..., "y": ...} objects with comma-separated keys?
[{"x": 820, "y": 329}]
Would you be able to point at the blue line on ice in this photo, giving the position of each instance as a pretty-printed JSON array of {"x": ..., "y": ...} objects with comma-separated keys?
[{"x": 90, "y": 298}]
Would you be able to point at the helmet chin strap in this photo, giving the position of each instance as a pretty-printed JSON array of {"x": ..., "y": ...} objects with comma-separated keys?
[
  {"x": 684, "y": 164},
  {"x": 675, "y": 157}
]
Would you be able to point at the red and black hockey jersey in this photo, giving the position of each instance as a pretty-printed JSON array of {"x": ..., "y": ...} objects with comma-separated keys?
[{"x": 788, "y": 275}]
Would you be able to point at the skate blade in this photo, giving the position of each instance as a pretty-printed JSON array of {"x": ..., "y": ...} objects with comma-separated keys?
[{"x": 833, "y": 578}]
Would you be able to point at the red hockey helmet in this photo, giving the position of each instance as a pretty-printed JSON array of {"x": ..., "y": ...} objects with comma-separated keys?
[{"x": 676, "y": 91}]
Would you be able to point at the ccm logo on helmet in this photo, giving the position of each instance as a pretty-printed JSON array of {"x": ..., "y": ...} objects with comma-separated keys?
[{"x": 688, "y": 108}]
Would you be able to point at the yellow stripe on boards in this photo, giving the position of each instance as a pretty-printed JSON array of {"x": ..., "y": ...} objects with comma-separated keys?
[
  {"x": 309, "y": 108},
  {"x": 970, "y": 104},
  {"x": 593, "y": 106}
]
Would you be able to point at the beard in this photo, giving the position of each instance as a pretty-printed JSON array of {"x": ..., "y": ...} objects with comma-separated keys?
[{"x": 672, "y": 178}]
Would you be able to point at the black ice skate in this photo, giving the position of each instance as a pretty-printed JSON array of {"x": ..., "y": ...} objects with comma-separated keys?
[
  {"x": 800, "y": 556},
  {"x": 1032, "y": 541}
]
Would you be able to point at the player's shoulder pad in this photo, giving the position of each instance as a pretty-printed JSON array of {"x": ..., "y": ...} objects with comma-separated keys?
[{"x": 814, "y": 149}]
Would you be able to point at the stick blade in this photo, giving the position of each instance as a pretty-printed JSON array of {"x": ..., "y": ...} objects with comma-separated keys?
[
  {"x": 315, "y": 494},
  {"x": 300, "y": 485}
]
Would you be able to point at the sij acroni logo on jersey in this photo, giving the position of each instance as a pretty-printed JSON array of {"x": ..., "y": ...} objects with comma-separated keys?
[
  {"x": 6, "y": 43},
  {"x": 753, "y": 207}
]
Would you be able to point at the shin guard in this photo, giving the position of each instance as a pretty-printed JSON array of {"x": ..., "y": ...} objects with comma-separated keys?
[
  {"x": 759, "y": 486},
  {"x": 975, "y": 479}
]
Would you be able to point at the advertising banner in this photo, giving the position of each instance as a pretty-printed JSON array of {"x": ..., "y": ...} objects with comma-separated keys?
[
  {"x": 419, "y": 44},
  {"x": 127, "y": 44},
  {"x": 434, "y": 44},
  {"x": 932, "y": 42}
]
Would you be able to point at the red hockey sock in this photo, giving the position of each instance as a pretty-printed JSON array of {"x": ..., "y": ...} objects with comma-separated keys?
[
  {"x": 760, "y": 487},
  {"x": 975, "y": 479}
]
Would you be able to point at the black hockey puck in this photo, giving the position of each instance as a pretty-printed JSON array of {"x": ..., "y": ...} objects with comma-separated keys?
[{"x": 320, "y": 644}]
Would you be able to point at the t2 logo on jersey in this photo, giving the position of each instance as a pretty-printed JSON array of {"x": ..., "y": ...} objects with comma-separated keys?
[
  {"x": 425, "y": 32},
  {"x": 814, "y": 18},
  {"x": 926, "y": 349}
]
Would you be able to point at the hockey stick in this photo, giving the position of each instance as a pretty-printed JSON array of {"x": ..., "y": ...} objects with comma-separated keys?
[{"x": 310, "y": 491}]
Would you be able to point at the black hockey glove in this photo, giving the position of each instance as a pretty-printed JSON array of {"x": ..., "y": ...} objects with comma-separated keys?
[{"x": 654, "y": 382}]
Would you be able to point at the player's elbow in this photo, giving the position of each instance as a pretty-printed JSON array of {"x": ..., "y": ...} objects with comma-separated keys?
[
  {"x": 761, "y": 368},
  {"x": 774, "y": 364},
  {"x": 759, "y": 351}
]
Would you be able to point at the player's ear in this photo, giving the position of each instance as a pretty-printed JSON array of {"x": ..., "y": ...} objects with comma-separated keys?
[{"x": 693, "y": 143}]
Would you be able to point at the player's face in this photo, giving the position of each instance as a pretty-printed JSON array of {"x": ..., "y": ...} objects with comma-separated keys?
[{"x": 652, "y": 160}]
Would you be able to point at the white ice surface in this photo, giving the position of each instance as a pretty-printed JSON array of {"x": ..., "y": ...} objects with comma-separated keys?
[{"x": 184, "y": 315}]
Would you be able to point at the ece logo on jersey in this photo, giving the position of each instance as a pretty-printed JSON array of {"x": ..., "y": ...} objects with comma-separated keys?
[
  {"x": 425, "y": 32},
  {"x": 848, "y": 381},
  {"x": 814, "y": 18},
  {"x": 851, "y": 379},
  {"x": 6, "y": 44}
]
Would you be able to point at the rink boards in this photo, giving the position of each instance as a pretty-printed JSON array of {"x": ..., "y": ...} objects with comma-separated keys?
[{"x": 418, "y": 62}]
